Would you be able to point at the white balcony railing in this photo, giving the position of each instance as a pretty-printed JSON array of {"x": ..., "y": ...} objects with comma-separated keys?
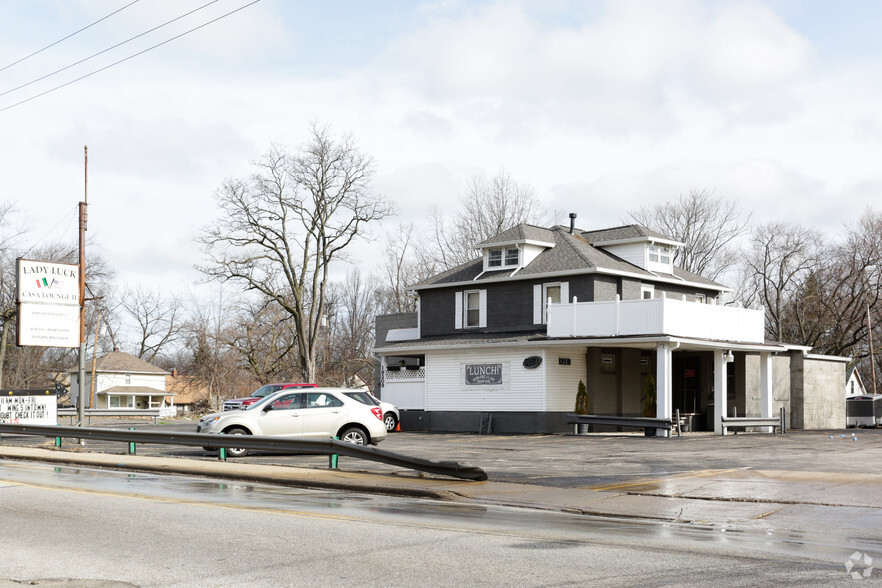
[{"x": 657, "y": 316}]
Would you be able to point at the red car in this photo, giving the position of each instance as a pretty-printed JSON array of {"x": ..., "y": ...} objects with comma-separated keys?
[{"x": 240, "y": 403}]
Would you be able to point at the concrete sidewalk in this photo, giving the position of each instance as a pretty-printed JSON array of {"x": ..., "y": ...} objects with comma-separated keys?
[{"x": 837, "y": 503}]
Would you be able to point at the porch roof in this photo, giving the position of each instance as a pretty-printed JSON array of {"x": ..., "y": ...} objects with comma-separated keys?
[
  {"x": 648, "y": 341},
  {"x": 134, "y": 391}
]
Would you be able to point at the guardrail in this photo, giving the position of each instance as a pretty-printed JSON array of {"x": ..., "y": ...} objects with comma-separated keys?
[
  {"x": 329, "y": 447},
  {"x": 112, "y": 412},
  {"x": 618, "y": 421}
]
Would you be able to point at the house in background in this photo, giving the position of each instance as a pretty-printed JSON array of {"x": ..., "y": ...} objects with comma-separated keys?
[
  {"x": 501, "y": 343},
  {"x": 122, "y": 381},
  {"x": 854, "y": 385},
  {"x": 186, "y": 393}
]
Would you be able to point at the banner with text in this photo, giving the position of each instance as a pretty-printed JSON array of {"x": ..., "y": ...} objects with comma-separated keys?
[
  {"x": 28, "y": 407},
  {"x": 49, "y": 304}
]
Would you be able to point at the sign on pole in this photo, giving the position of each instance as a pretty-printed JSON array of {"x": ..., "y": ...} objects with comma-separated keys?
[
  {"x": 28, "y": 407},
  {"x": 49, "y": 304}
]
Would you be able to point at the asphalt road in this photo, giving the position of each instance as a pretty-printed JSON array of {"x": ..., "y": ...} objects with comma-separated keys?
[{"x": 75, "y": 526}]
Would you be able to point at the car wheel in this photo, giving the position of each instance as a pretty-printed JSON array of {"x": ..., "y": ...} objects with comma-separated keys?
[
  {"x": 390, "y": 421},
  {"x": 354, "y": 435},
  {"x": 237, "y": 451}
]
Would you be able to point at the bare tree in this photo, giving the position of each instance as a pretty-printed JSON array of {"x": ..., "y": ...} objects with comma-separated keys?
[
  {"x": 708, "y": 225},
  {"x": 487, "y": 208},
  {"x": 283, "y": 227},
  {"x": 780, "y": 259},
  {"x": 263, "y": 335},
  {"x": 403, "y": 266},
  {"x": 831, "y": 308},
  {"x": 214, "y": 363},
  {"x": 156, "y": 319},
  {"x": 351, "y": 330}
]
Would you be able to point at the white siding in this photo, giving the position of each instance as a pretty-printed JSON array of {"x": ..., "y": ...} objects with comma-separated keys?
[
  {"x": 524, "y": 389},
  {"x": 631, "y": 252},
  {"x": 563, "y": 380}
]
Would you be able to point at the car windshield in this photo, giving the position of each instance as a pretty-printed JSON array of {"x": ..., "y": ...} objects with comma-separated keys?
[
  {"x": 259, "y": 404},
  {"x": 265, "y": 390},
  {"x": 363, "y": 397}
]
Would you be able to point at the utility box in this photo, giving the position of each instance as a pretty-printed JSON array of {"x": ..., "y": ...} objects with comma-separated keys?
[{"x": 863, "y": 411}]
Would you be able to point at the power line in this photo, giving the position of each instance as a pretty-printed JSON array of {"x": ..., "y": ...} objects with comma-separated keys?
[
  {"x": 67, "y": 37},
  {"x": 129, "y": 57},
  {"x": 106, "y": 50}
]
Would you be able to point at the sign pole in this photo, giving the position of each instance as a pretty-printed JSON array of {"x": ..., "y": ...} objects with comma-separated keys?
[{"x": 81, "y": 368}]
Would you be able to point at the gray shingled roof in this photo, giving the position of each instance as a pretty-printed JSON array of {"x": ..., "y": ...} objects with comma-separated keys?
[
  {"x": 623, "y": 233},
  {"x": 518, "y": 234},
  {"x": 572, "y": 253},
  {"x": 122, "y": 362},
  {"x": 465, "y": 338}
]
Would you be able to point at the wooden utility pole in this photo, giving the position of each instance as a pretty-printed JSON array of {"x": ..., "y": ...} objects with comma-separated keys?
[
  {"x": 872, "y": 358},
  {"x": 81, "y": 368}
]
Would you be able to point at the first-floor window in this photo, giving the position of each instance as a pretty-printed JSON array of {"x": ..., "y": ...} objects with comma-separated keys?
[{"x": 113, "y": 401}]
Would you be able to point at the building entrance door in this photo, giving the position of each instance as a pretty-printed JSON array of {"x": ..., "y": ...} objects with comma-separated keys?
[{"x": 686, "y": 385}]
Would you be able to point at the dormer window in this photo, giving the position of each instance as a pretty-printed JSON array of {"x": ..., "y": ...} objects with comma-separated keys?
[
  {"x": 499, "y": 258},
  {"x": 494, "y": 258},
  {"x": 512, "y": 256},
  {"x": 660, "y": 254}
]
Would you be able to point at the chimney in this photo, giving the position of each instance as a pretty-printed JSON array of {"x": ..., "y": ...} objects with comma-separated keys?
[{"x": 572, "y": 223}]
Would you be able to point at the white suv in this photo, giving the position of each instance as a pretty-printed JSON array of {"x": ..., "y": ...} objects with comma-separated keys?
[{"x": 311, "y": 412}]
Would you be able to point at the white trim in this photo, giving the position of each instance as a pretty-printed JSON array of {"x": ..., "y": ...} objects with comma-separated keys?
[
  {"x": 482, "y": 308},
  {"x": 457, "y": 320},
  {"x": 583, "y": 272},
  {"x": 537, "y": 304}
]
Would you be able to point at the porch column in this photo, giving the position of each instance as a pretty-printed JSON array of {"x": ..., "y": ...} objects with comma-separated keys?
[
  {"x": 663, "y": 377},
  {"x": 766, "y": 388},
  {"x": 720, "y": 393}
]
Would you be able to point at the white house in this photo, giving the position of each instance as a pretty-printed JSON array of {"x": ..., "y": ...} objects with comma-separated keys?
[
  {"x": 123, "y": 381},
  {"x": 502, "y": 342},
  {"x": 854, "y": 385}
]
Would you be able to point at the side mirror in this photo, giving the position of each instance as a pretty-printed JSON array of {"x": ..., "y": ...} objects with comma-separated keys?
[{"x": 268, "y": 407}]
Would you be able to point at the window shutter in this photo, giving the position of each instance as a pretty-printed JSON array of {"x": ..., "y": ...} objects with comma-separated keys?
[
  {"x": 537, "y": 304},
  {"x": 564, "y": 292},
  {"x": 457, "y": 319},
  {"x": 482, "y": 302}
]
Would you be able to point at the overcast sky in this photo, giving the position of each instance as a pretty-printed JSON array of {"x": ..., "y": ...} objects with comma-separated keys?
[{"x": 600, "y": 106}]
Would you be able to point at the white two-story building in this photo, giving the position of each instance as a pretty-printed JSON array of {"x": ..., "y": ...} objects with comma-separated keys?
[
  {"x": 122, "y": 381},
  {"x": 501, "y": 343}
]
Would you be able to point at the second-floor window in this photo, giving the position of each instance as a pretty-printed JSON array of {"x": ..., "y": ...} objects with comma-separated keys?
[
  {"x": 472, "y": 309},
  {"x": 557, "y": 292}
]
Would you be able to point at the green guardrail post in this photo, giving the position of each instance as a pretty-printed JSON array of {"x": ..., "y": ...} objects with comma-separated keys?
[
  {"x": 222, "y": 452},
  {"x": 131, "y": 443},
  {"x": 58, "y": 439},
  {"x": 332, "y": 459}
]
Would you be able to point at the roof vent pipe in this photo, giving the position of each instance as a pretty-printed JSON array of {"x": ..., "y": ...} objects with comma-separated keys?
[{"x": 572, "y": 223}]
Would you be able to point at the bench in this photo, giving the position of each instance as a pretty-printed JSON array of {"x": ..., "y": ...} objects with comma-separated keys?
[{"x": 773, "y": 422}]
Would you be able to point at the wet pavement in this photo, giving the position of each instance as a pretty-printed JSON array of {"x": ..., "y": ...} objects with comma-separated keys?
[{"x": 819, "y": 481}]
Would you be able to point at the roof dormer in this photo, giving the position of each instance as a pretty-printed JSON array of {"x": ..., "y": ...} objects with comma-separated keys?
[
  {"x": 637, "y": 245},
  {"x": 514, "y": 248}
]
